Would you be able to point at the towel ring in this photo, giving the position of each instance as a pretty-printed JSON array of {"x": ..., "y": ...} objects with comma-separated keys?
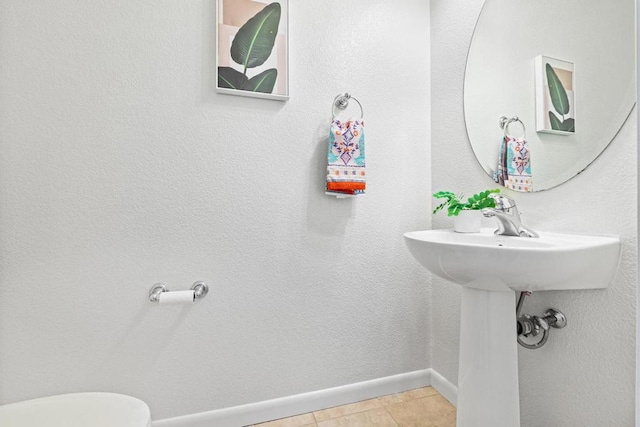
[
  {"x": 342, "y": 102},
  {"x": 504, "y": 123}
]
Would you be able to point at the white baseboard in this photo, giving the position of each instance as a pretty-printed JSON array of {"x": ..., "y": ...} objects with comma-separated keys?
[
  {"x": 314, "y": 401},
  {"x": 444, "y": 387}
]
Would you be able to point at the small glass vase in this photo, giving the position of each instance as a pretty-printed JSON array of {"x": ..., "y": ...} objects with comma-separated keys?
[{"x": 467, "y": 221}]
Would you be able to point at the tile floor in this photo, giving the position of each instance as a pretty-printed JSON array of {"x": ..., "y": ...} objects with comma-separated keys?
[{"x": 422, "y": 407}]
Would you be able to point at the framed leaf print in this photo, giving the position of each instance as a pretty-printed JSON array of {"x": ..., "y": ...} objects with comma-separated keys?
[
  {"x": 252, "y": 49},
  {"x": 555, "y": 96}
]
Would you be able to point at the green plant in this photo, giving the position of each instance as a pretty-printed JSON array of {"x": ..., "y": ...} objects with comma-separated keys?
[
  {"x": 251, "y": 47},
  {"x": 455, "y": 203}
]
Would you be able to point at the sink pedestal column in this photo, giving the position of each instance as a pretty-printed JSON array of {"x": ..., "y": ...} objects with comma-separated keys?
[{"x": 488, "y": 393}]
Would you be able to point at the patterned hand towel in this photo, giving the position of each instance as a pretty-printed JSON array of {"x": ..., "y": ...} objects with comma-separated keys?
[
  {"x": 345, "y": 159},
  {"x": 514, "y": 165}
]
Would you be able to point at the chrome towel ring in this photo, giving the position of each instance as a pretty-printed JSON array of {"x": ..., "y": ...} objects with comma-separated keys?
[
  {"x": 504, "y": 123},
  {"x": 342, "y": 102}
]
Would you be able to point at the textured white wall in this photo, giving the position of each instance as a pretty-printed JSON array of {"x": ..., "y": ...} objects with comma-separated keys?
[
  {"x": 584, "y": 376},
  {"x": 121, "y": 167}
]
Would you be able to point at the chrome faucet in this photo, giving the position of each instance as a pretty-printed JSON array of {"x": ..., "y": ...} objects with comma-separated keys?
[{"x": 508, "y": 218}]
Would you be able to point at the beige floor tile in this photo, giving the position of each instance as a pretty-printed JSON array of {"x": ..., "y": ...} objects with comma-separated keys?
[
  {"x": 378, "y": 417},
  {"x": 341, "y": 411},
  {"x": 407, "y": 395},
  {"x": 432, "y": 411},
  {"x": 304, "y": 420}
]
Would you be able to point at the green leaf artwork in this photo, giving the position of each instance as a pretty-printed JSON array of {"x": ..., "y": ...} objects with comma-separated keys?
[
  {"x": 254, "y": 41},
  {"x": 558, "y": 94},
  {"x": 251, "y": 47},
  {"x": 560, "y": 102},
  {"x": 569, "y": 125},
  {"x": 556, "y": 123},
  {"x": 263, "y": 82},
  {"x": 230, "y": 78}
]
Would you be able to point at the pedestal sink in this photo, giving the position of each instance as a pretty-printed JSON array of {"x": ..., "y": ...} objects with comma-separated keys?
[{"x": 490, "y": 268}]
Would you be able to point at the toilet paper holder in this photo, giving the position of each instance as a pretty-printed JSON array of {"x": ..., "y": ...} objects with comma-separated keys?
[{"x": 199, "y": 288}]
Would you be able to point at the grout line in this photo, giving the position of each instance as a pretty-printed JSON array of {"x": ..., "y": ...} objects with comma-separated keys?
[
  {"x": 377, "y": 399},
  {"x": 391, "y": 415}
]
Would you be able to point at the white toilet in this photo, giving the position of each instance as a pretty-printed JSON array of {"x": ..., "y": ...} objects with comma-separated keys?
[{"x": 77, "y": 410}]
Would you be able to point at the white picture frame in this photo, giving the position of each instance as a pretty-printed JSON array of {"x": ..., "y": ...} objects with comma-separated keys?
[
  {"x": 555, "y": 96},
  {"x": 253, "y": 66}
]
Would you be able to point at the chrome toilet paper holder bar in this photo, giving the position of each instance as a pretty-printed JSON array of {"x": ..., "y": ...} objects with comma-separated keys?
[{"x": 199, "y": 288}]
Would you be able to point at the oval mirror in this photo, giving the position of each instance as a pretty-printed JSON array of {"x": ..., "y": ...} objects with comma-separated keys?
[{"x": 565, "y": 69}]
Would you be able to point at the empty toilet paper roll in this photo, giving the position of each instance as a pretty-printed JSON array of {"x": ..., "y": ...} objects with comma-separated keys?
[{"x": 176, "y": 297}]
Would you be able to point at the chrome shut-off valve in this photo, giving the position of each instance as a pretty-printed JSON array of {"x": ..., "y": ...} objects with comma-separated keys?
[{"x": 533, "y": 326}]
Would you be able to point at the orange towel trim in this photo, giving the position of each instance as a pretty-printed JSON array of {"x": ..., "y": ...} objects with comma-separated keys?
[{"x": 346, "y": 186}]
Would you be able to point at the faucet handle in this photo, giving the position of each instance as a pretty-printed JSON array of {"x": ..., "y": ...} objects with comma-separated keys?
[
  {"x": 503, "y": 203},
  {"x": 506, "y": 205}
]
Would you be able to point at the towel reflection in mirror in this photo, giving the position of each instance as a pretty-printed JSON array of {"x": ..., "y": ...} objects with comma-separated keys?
[{"x": 514, "y": 161}]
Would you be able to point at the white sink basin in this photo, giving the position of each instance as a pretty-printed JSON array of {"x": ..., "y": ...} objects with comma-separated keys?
[{"x": 486, "y": 261}]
